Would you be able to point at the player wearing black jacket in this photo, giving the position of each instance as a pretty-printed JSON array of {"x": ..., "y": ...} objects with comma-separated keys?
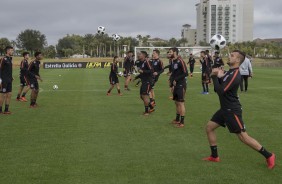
[
  {"x": 113, "y": 77},
  {"x": 33, "y": 77},
  {"x": 23, "y": 78},
  {"x": 230, "y": 112},
  {"x": 218, "y": 62},
  {"x": 127, "y": 68},
  {"x": 146, "y": 76},
  {"x": 6, "y": 79},
  {"x": 191, "y": 64},
  {"x": 178, "y": 83},
  {"x": 205, "y": 72},
  {"x": 158, "y": 68}
]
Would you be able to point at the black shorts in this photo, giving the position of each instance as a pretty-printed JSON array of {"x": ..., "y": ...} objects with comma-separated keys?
[
  {"x": 126, "y": 73},
  {"x": 231, "y": 119},
  {"x": 113, "y": 79},
  {"x": 155, "y": 80},
  {"x": 191, "y": 69},
  {"x": 34, "y": 84},
  {"x": 205, "y": 77},
  {"x": 23, "y": 81},
  {"x": 6, "y": 87},
  {"x": 145, "y": 88},
  {"x": 179, "y": 93}
]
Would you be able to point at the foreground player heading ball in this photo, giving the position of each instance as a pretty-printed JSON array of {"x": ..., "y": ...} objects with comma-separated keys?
[{"x": 230, "y": 113}]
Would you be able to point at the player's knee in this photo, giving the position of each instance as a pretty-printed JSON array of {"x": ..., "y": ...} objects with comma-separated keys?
[
  {"x": 209, "y": 127},
  {"x": 243, "y": 136}
]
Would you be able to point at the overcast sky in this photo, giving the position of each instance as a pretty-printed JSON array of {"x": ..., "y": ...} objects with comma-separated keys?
[{"x": 158, "y": 18}]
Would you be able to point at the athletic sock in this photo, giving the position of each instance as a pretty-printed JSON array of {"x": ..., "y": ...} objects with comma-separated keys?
[
  {"x": 177, "y": 117},
  {"x": 146, "y": 109},
  {"x": 204, "y": 88},
  {"x": 151, "y": 100},
  {"x": 23, "y": 95},
  {"x": 32, "y": 102},
  {"x": 207, "y": 87},
  {"x": 0, "y": 108},
  {"x": 109, "y": 91},
  {"x": 150, "y": 105},
  {"x": 18, "y": 97},
  {"x": 6, "y": 108},
  {"x": 118, "y": 91},
  {"x": 182, "y": 119},
  {"x": 214, "y": 151},
  {"x": 265, "y": 153},
  {"x": 126, "y": 86}
]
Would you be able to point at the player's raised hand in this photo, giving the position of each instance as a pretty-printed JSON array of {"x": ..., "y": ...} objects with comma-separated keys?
[
  {"x": 214, "y": 71},
  {"x": 220, "y": 73}
]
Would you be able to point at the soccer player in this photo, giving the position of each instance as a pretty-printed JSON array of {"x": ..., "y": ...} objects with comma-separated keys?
[
  {"x": 246, "y": 71},
  {"x": 146, "y": 75},
  {"x": 6, "y": 79},
  {"x": 230, "y": 112},
  {"x": 127, "y": 69},
  {"x": 113, "y": 77},
  {"x": 178, "y": 82},
  {"x": 158, "y": 68},
  {"x": 205, "y": 73},
  {"x": 23, "y": 78},
  {"x": 218, "y": 62},
  {"x": 191, "y": 63},
  {"x": 33, "y": 77},
  {"x": 210, "y": 64}
]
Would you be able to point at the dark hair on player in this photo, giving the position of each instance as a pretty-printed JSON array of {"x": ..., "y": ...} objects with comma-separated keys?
[
  {"x": 157, "y": 51},
  {"x": 242, "y": 55},
  {"x": 145, "y": 53},
  {"x": 130, "y": 51},
  {"x": 37, "y": 54},
  {"x": 115, "y": 58},
  {"x": 174, "y": 49},
  {"x": 8, "y": 48},
  {"x": 207, "y": 51},
  {"x": 203, "y": 52},
  {"x": 25, "y": 53}
]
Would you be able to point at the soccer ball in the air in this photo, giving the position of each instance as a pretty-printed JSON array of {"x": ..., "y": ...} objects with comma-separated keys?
[
  {"x": 55, "y": 87},
  {"x": 116, "y": 37},
  {"x": 218, "y": 42},
  {"x": 101, "y": 30}
]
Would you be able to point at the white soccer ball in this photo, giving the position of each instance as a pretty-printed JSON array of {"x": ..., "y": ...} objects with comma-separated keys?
[
  {"x": 55, "y": 87},
  {"x": 218, "y": 42},
  {"x": 116, "y": 37},
  {"x": 120, "y": 74},
  {"x": 101, "y": 30}
]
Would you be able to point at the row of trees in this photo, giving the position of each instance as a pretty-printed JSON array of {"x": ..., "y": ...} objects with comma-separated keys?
[{"x": 96, "y": 45}]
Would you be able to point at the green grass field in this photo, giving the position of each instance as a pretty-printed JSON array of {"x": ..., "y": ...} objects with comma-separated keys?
[{"x": 79, "y": 135}]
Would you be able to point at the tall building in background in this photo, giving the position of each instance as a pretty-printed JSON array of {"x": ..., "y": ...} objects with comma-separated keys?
[
  {"x": 234, "y": 19},
  {"x": 189, "y": 34}
]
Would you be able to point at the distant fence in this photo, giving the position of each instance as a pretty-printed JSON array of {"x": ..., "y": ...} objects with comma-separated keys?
[{"x": 77, "y": 65}]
